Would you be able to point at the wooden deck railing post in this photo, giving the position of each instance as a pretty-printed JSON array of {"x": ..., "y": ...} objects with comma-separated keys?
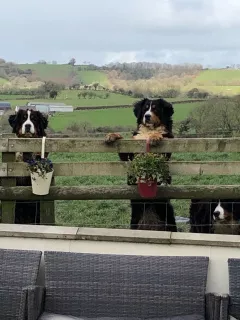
[
  {"x": 47, "y": 210},
  {"x": 8, "y": 207}
]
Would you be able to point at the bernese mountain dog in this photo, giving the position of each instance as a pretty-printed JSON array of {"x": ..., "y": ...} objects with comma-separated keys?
[
  {"x": 27, "y": 124},
  {"x": 211, "y": 216},
  {"x": 154, "y": 122}
]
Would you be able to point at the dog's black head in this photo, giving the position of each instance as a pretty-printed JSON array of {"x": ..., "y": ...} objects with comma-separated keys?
[
  {"x": 153, "y": 113},
  {"x": 227, "y": 210},
  {"x": 28, "y": 123}
]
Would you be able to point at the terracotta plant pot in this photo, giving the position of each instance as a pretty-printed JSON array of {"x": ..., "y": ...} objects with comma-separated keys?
[{"x": 147, "y": 188}]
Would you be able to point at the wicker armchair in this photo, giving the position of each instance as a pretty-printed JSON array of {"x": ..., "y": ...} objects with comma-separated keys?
[
  {"x": 18, "y": 271},
  {"x": 234, "y": 287},
  {"x": 98, "y": 286}
]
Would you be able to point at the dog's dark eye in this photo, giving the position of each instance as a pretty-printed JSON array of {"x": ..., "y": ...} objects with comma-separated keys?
[
  {"x": 25, "y": 117},
  {"x": 33, "y": 118},
  {"x": 153, "y": 107}
]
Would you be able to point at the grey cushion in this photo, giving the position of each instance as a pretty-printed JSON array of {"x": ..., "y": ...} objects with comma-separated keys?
[
  {"x": 52, "y": 316},
  {"x": 187, "y": 317}
]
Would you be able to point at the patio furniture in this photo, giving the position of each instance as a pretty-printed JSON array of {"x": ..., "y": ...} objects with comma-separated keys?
[{"x": 18, "y": 272}]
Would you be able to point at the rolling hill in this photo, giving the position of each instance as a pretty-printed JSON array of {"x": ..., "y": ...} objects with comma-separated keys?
[
  {"x": 65, "y": 72},
  {"x": 217, "y": 81}
]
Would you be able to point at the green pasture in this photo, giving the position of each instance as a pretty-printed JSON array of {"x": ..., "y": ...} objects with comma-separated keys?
[
  {"x": 110, "y": 117},
  {"x": 65, "y": 72},
  {"x": 217, "y": 81}
]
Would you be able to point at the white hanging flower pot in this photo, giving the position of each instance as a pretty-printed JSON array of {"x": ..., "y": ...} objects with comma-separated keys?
[
  {"x": 41, "y": 184},
  {"x": 41, "y": 172}
]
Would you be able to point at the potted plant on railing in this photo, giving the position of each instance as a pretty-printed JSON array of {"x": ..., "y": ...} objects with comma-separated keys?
[
  {"x": 148, "y": 170},
  {"x": 41, "y": 171}
]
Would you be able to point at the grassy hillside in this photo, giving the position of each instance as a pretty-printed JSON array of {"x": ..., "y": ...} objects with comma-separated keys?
[
  {"x": 207, "y": 77},
  {"x": 218, "y": 81},
  {"x": 3, "y": 81},
  {"x": 64, "y": 73}
]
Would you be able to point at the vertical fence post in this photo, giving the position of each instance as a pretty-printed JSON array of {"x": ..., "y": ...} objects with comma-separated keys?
[
  {"x": 8, "y": 207},
  {"x": 47, "y": 210}
]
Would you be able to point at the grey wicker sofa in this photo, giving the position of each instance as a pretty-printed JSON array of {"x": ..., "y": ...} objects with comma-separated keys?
[
  {"x": 234, "y": 287},
  {"x": 103, "y": 286},
  {"x": 18, "y": 272}
]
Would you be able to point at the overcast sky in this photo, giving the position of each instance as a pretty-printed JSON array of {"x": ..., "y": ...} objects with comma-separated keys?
[{"x": 103, "y": 31}]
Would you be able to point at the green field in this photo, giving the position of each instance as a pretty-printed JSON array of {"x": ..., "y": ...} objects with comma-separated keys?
[
  {"x": 217, "y": 81},
  {"x": 111, "y": 117},
  {"x": 3, "y": 81},
  {"x": 64, "y": 72},
  {"x": 208, "y": 76},
  {"x": 70, "y": 97}
]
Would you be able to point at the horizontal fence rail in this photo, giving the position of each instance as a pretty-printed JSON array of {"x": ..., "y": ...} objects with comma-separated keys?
[
  {"x": 10, "y": 170},
  {"x": 122, "y": 192},
  {"x": 186, "y": 145},
  {"x": 114, "y": 168}
]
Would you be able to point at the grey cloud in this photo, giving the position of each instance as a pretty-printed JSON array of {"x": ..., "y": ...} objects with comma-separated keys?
[{"x": 178, "y": 31}]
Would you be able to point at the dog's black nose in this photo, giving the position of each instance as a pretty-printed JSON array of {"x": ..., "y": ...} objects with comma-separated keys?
[
  {"x": 147, "y": 117},
  {"x": 216, "y": 214},
  {"x": 27, "y": 127}
]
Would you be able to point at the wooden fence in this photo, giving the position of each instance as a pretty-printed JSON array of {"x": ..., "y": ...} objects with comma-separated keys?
[{"x": 9, "y": 170}]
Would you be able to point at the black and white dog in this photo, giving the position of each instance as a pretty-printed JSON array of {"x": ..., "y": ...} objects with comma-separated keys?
[
  {"x": 211, "y": 216},
  {"x": 154, "y": 123},
  {"x": 27, "y": 124},
  {"x": 226, "y": 217}
]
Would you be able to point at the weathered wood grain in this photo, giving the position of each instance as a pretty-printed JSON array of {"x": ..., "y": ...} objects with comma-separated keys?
[
  {"x": 122, "y": 192},
  {"x": 118, "y": 168},
  {"x": 7, "y": 207},
  {"x": 128, "y": 145}
]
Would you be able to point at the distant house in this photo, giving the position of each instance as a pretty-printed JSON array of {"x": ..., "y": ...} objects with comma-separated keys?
[
  {"x": 58, "y": 108},
  {"x": 33, "y": 103},
  {"x": 44, "y": 108},
  {"x": 41, "y": 108},
  {"x": 49, "y": 108},
  {"x": 4, "y": 106}
]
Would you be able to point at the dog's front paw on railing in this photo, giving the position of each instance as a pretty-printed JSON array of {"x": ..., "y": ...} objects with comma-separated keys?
[
  {"x": 155, "y": 139},
  {"x": 112, "y": 137}
]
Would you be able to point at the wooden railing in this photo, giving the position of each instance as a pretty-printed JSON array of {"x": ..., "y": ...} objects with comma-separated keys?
[{"x": 9, "y": 170}]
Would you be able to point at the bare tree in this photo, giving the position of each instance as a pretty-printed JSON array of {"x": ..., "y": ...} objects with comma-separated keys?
[{"x": 72, "y": 61}]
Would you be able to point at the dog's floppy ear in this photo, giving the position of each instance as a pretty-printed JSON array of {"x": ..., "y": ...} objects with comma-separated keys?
[
  {"x": 44, "y": 120},
  {"x": 12, "y": 120},
  {"x": 168, "y": 108},
  {"x": 43, "y": 123},
  {"x": 236, "y": 209},
  {"x": 137, "y": 109}
]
